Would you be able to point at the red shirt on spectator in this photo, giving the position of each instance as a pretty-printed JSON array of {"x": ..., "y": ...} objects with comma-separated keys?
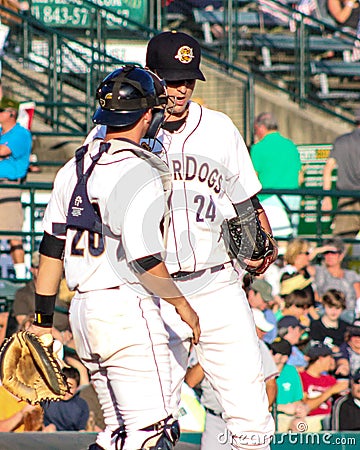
[{"x": 314, "y": 387}]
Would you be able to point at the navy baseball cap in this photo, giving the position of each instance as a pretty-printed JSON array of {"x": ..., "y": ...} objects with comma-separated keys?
[
  {"x": 318, "y": 349},
  {"x": 354, "y": 328},
  {"x": 280, "y": 345},
  {"x": 174, "y": 56},
  {"x": 290, "y": 321}
]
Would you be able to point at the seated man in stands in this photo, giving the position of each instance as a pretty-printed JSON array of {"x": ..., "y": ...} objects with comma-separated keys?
[
  {"x": 290, "y": 329},
  {"x": 319, "y": 387},
  {"x": 15, "y": 150},
  {"x": 70, "y": 414},
  {"x": 346, "y": 409}
]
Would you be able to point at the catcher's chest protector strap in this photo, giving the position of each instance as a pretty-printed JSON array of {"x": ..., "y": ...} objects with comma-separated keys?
[{"x": 81, "y": 213}]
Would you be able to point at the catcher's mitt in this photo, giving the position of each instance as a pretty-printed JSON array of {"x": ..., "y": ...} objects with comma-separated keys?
[
  {"x": 248, "y": 243},
  {"x": 29, "y": 369}
]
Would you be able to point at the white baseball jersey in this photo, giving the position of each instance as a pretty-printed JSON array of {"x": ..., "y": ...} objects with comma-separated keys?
[
  {"x": 121, "y": 181},
  {"x": 206, "y": 182},
  {"x": 213, "y": 173}
]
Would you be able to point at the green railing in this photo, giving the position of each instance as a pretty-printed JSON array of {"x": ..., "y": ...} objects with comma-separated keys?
[
  {"x": 62, "y": 67},
  {"x": 34, "y": 207}
]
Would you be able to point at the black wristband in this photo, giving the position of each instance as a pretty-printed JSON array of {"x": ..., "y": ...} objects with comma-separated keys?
[
  {"x": 44, "y": 310},
  {"x": 45, "y": 304},
  {"x": 43, "y": 320}
]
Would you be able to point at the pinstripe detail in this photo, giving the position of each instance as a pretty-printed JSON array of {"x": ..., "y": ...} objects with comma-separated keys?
[{"x": 148, "y": 327}]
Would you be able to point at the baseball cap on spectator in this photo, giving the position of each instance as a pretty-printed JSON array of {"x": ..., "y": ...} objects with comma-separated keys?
[
  {"x": 174, "y": 56},
  {"x": 318, "y": 349},
  {"x": 260, "y": 320},
  {"x": 8, "y": 103},
  {"x": 280, "y": 345},
  {"x": 297, "y": 282},
  {"x": 354, "y": 328},
  {"x": 356, "y": 376},
  {"x": 289, "y": 321},
  {"x": 263, "y": 288}
]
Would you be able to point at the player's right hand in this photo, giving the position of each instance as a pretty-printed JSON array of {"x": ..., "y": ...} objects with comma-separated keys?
[{"x": 189, "y": 316}]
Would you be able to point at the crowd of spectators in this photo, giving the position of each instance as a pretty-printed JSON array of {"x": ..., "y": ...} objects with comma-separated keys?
[
  {"x": 306, "y": 306},
  {"x": 314, "y": 345}
]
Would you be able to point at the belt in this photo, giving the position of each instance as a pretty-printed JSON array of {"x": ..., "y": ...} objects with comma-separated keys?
[
  {"x": 184, "y": 276},
  {"x": 212, "y": 412}
]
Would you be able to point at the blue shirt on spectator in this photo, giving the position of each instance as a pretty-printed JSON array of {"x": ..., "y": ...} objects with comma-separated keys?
[
  {"x": 297, "y": 358},
  {"x": 67, "y": 415},
  {"x": 271, "y": 318},
  {"x": 19, "y": 141}
]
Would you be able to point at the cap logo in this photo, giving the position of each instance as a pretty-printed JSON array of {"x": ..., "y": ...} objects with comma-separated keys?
[{"x": 185, "y": 54}]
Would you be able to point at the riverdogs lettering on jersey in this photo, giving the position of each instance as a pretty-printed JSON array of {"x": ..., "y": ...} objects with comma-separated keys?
[{"x": 193, "y": 169}]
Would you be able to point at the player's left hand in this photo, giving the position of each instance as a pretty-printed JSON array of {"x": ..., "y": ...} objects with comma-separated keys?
[
  {"x": 38, "y": 331},
  {"x": 189, "y": 316}
]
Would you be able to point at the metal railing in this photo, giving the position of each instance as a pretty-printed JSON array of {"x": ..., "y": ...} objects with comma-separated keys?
[
  {"x": 34, "y": 206},
  {"x": 60, "y": 69}
]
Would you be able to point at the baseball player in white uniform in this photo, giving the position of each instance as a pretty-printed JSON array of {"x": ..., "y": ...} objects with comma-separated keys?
[
  {"x": 213, "y": 179},
  {"x": 105, "y": 213},
  {"x": 215, "y": 436}
]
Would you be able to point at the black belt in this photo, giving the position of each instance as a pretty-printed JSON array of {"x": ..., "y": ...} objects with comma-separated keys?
[
  {"x": 212, "y": 412},
  {"x": 184, "y": 276}
]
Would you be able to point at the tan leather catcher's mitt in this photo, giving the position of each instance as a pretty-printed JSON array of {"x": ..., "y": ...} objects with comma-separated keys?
[{"x": 29, "y": 369}]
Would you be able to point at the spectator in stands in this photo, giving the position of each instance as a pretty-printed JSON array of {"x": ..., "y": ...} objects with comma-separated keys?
[
  {"x": 277, "y": 162},
  {"x": 259, "y": 295},
  {"x": 349, "y": 361},
  {"x": 319, "y": 387},
  {"x": 345, "y": 155},
  {"x": 298, "y": 256},
  {"x": 331, "y": 275},
  {"x": 346, "y": 409},
  {"x": 290, "y": 328},
  {"x": 70, "y": 414},
  {"x": 289, "y": 388},
  {"x": 17, "y": 415},
  {"x": 298, "y": 297},
  {"x": 345, "y": 12},
  {"x": 24, "y": 304},
  {"x": 15, "y": 149},
  {"x": 330, "y": 329},
  {"x": 215, "y": 435}
]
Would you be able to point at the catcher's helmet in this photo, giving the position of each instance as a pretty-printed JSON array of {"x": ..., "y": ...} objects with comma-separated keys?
[{"x": 126, "y": 94}]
